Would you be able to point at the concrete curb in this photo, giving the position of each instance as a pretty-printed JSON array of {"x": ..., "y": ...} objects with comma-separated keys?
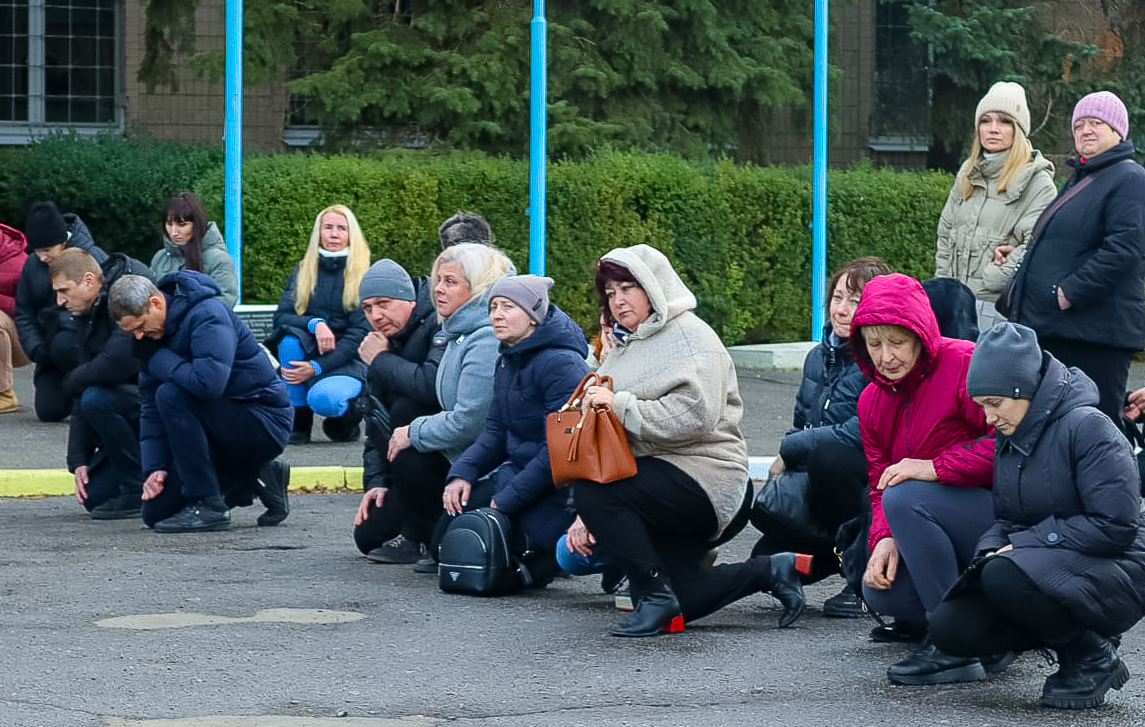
[
  {"x": 52, "y": 483},
  {"x": 49, "y": 483}
]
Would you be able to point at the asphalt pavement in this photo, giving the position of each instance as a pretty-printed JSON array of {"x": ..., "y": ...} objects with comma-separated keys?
[{"x": 108, "y": 624}]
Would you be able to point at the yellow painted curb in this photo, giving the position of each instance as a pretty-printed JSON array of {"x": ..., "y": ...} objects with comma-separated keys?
[{"x": 47, "y": 483}]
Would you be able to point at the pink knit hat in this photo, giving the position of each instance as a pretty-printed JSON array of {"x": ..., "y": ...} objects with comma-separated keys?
[{"x": 1105, "y": 106}]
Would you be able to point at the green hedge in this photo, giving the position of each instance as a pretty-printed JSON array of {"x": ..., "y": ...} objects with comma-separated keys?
[
  {"x": 119, "y": 186},
  {"x": 739, "y": 235}
]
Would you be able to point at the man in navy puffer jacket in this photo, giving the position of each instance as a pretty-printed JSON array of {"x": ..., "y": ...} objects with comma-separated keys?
[{"x": 213, "y": 413}]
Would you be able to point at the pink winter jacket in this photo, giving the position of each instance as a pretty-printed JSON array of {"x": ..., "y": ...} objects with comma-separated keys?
[{"x": 927, "y": 414}]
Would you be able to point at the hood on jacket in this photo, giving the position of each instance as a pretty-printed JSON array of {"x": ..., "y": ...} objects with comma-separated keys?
[
  {"x": 992, "y": 168},
  {"x": 897, "y": 300},
  {"x": 955, "y": 308},
  {"x": 184, "y": 290},
  {"x": 212, "y": 238},
  {"x": 115, "y": 267},
  {"x": 660, "y": 281},
  {"x": 472, "y": 314},
  {"x": 1062, "y": 390},
  {"x": 1119, "y": 152},
  {"x": 556, "y": 331},
  {"x": 12, "y": 244}
]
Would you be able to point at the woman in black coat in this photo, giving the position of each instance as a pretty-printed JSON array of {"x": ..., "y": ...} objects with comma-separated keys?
[
  {"x": 1063, "y": 567},
  {"x": 823, "y": 444},
  {"x": 319, "y": 325}
]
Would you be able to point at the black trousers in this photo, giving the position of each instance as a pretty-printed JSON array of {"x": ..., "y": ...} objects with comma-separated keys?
[
  {"x": 52, "y": 404},
  {"x": 415, "y": 481},
  {"x": 837, "y": 490},
  {"x": 1008, "y": 613},
  {"x": 657, "y": 527},
  {"x": 1107, "y": 366}
]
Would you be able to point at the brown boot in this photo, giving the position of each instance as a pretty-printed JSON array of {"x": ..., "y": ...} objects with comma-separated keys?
[{"x": 8, "y": 402}]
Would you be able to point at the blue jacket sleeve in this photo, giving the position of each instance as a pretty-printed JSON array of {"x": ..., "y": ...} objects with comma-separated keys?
[
  {"x": 487, "y": 453},
  {"x": 213, "y": 342},
  {"x": 154, "y": 448},
  {"x": 557, "y": 377}
]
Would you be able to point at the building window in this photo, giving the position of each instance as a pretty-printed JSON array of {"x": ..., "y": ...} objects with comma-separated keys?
[
  {"x": 58, "y": 63},
  {"x": 901, "y": 111}
]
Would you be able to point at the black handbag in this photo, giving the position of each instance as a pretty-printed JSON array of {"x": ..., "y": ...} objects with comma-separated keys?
[{"x": 783, "y": 504}]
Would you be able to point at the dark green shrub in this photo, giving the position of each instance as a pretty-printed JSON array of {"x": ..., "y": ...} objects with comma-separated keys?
[{"x": 118, "y": 185}]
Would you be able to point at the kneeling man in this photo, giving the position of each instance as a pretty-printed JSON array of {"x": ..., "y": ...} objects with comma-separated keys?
[{"x": 213, "y": 413}]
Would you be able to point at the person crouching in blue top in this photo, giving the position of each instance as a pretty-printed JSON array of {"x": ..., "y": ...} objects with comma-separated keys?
[
  {"x": 1063, "y": 567},
  {"x": 213, "y": 414},
  {"x": 542, "y": 362}
]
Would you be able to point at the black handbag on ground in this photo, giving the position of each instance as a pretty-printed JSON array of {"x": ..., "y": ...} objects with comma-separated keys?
[
  {"x": 784, "y": 504},
  {"x": 475, "y": 556}
]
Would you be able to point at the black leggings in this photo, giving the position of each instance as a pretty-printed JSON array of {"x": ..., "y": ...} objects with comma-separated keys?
[
  {"x": 657, "y": 527},
  {"x": 1008, "y": 613}
]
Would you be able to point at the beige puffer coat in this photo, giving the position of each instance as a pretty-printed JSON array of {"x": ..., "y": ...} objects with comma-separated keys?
[{"x": 969, "y": 230}]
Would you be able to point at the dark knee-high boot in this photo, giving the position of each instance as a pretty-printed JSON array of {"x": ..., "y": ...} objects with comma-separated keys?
[
  {"x": 303, "y": 423},
  {"x": 1088, "y": 667}
]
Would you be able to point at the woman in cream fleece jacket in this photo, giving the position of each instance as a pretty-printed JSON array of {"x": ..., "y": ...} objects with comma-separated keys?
[{"x": 677, "y": 396}]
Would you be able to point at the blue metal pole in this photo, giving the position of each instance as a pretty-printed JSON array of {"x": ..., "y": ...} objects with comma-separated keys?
[
  {"x": 538, "y": 136},
  {"x": 233, "y": 137},
  {"x": 819, "y": 187}
]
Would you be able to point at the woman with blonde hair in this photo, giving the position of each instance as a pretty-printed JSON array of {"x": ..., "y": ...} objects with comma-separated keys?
[
  {"x": 995, "y": 201},
  {"x": 319, "y": 325}
]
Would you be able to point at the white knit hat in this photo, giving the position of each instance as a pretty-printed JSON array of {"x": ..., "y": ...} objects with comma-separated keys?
[{"x": 1007, "y": 98}]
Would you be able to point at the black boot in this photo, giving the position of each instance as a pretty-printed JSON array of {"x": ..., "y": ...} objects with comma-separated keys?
[
  {"x": 303, "y": 423},
  {"x": 929, "y": 665},
  {"x": 199, "y": 516},
  {"x": 342, "y": 429},
  {"x": 273, "y": 482},
  {"x": 1088, "y": 667},
  {"x": 654, "y": 612},
  {"x": 783, "y": 583}
]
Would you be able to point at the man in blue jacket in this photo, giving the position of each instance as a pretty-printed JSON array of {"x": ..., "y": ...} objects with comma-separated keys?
[{"x": 213, "y": 413}]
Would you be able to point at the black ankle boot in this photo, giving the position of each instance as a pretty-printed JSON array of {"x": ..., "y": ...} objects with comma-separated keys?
[
  {"x": 273, "y": 483},
  {"x": 303, "y": 423},
  {"x": 1088, "y": 667},
  {"x": 653, "y": 613},
  {"x": 929, "y": 665},
  {"x": 783, "y": 583}
]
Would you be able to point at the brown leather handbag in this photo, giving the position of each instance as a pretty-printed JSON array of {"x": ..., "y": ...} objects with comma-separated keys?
[{"x": 587, "y": 445}]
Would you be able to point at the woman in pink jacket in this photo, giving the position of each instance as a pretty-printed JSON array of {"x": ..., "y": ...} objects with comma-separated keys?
[{"x": 930, "y": 465}]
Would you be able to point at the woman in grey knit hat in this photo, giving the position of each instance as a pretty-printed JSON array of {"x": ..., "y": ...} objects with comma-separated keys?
[{"x": 1063, "y": 567}]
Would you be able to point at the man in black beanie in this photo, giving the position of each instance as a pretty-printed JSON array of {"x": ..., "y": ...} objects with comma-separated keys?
[
  {"x": 402, "y": 503},
  {"x": 38, "y": 316}
]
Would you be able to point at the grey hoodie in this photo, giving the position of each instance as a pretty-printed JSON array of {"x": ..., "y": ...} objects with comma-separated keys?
[{"x": 676, "y": 389}]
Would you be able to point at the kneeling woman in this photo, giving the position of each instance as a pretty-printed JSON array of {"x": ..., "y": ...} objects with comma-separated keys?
[
  {"x": 678, "y": 399},
  {"x": 930, "y": 460},
  {"x": 319, "y": 325},
  {"x": 1063, "y": 567},
  {"x": 542, "y": 362}
]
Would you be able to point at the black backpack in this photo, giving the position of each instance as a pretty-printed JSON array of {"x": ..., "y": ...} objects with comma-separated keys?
[{"x": 475, "y": 556}]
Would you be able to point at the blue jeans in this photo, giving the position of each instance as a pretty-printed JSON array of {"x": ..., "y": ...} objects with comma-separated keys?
[
  {"x": 328, "y": 396},
  {"x": 113, "y": 414},
  {"x": 217, "y": 448},
  {"x": 937, "y": 530}
]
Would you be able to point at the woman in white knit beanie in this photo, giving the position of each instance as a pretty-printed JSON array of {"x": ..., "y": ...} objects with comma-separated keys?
[{"x": 1000, "y": 191}]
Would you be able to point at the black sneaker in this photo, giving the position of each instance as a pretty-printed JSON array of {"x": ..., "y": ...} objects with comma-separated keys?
[
  {"x": 929, "y": 665},
  {"x": 273, "y": 483},
  {"x": 426, "y": 565},
  {"x": 844, "y": 604},
  {"x": 399, "y": 550},
  {"x": 195, "y": 517},
  {"x": 120, "y": 507}
]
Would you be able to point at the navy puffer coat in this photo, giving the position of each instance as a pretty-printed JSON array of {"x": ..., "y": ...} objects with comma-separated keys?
[
  {"x": 826, "y": 406},
  {"x": 209, "y": 352},
  {"x": 348, "y": 327},
  {"x": 1066, "y": 497},
  {"x": 532, "y": 379}
]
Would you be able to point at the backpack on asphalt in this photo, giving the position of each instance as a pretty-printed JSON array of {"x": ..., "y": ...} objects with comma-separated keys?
[{"x": 475, "y": 555}]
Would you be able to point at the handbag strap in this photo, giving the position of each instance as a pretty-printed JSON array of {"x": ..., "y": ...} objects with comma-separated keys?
[
  {"x": 590, "y": 379},
  {"x": 1060, "y": 202}
]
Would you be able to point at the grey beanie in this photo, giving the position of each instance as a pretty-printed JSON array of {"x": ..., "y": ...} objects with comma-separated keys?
[
  {"x": 1007, "y": 362},
  {"x": 531, "y": 292},
  {"x": 386, "y": 279}
]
